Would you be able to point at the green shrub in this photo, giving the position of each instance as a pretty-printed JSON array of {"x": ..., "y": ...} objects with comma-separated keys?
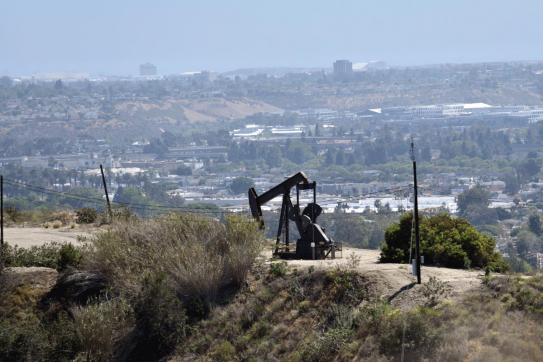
[
  {"x": 224, "y": 352},
  {"x": 86, "y": 215},
  {"x": 49, "y": 255},
  {"x": 444, "y": 241},
  {"x": 161, "y": 321},
  {"x": 278, "y": 268},
  {"x": 12, "y": 212},
  {"x": 36, "y": 342}
]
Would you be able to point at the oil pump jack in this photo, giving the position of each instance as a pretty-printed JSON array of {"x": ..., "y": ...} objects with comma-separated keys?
[{"x": 313, "y": 242}]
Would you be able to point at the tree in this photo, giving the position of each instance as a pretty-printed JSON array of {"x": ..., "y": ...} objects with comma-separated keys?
[
  {"x": 182, "y": 170},
  {"x": 299, "y": 152},
  {"x": 351, "y": 160},
  {"x": 58, "y": 84},
  {"x": 512, "y": 185},
  {"x": 535, "y": 225},
  {"x": 474, "y": 196},
  {"x": 444, "y": 241},
  {"x": 376, "y": 153},
  {"x": 329, "y": 157},
  {"x": 340, "y": 160},
  {"x": 350, "y": 230},
  {"x": 425, "y": 154},
  {"x": 527, "y": 243},
  {"x": 274, "y": 157},
  {"x": 317, "y": 130},
  {"x": 241, "y": 185}
]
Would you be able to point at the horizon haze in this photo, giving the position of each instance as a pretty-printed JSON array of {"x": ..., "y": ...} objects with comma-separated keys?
[{"x": 114, "y": 38}]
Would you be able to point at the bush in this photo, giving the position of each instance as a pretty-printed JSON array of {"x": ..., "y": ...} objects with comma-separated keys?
[
  {"x": 49, "y": 255},
  {"x": 86, "y": 215},
  {"x": 444, "y": 241},
  {"x": 102, "y": 328},
  {"x": 13, "y": 212},
  {"x": 198, "y": 255},
  {"x": 161, "y": 320},
  {"x": 57, "y": 224},
  {"x": 278, "y": 268},
  {"x": 34, "y": 342}
]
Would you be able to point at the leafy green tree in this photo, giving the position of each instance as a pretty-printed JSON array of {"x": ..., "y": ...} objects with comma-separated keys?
[
  {"x": 425, "y": 154},
  {"x": 274, "y": 157},
  {"x": 512, "y": 184},
  {"x": 376, "y": 153},
  {"x": 182, "y": 170},
  {"x": 317, "y": 130},
  {"x": 241, "y": 185},
  {"x": 80, "y": 196},
  {"x": 299, "y": 152},
  {"x": 527, "y": 243},
  {"x": 517, "y": 264},
  {"x": 329, "y": 157},
  {"x": 340, "y": 159},
  {"x": 444, "y": 241},
  {"x": 472, "y": 197},
  {"x": 58, "y": 84},
  {"x": 535, "y": 225}
]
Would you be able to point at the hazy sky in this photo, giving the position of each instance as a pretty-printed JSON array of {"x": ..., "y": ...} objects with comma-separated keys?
[{"x": 115, "y": 36}]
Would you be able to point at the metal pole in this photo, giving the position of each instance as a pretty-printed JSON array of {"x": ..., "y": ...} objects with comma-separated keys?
[
  {"x": 287, "y": 197},
  {"x": 105, "y": 189},
  {"x": 2, "y": 210},
  {"x": 416, "y": 215}
]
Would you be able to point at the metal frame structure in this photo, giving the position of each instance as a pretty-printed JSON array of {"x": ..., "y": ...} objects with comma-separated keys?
[{"x": 313, "y": 242}]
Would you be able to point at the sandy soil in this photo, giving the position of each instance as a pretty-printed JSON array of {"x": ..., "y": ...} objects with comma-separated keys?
[
  {"x": 396, "y": 280},
  {"x": 31, "y": 236},
  {"x": 40, "y": 279}
]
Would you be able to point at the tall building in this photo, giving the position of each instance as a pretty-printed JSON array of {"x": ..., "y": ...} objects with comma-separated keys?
[
  {"x": 342, "y": 68},
  {"x": 147, "y": 69}
]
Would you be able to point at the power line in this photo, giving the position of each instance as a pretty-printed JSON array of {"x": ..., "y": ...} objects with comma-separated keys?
[{"x": 120, "y": 203}]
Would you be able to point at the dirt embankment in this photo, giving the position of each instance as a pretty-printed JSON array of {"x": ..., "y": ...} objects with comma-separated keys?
[{"x": 396, "y": 280}]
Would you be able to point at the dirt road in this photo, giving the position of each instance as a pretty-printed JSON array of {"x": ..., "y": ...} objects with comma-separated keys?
[
  {"x": 33, "y": 236},
  {"x": 397, "y": 281}
]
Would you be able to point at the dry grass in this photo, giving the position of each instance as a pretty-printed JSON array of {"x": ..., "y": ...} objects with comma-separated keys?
[
  {"x": 198, "y": 255},
  {"x": 103, "y": 327}
]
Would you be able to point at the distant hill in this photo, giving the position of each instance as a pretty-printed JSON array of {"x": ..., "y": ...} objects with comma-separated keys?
[
  {"x": 137, "y": 118},
  {"x": 507, "y": 95}
]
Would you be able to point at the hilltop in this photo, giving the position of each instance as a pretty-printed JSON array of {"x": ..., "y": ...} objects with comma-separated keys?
[
  {"x": 393, "y": 97},
  {"x": 143, "y": 117}
]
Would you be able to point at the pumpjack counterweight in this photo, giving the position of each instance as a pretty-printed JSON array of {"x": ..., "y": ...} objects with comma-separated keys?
[{"x": 313, "y": 242}]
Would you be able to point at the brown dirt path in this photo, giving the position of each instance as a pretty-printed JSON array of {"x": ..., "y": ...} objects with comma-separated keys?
[
  {"x": 35, "y": 236},
  {"x": 396, "y": 280}
]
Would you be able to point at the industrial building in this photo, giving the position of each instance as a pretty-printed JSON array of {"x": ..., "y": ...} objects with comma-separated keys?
[{"x": 147, "y": 69}]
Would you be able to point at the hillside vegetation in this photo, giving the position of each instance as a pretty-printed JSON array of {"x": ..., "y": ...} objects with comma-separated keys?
[
  {"x": 190, "y": 288},
  {"x": 444, "y": 241}
]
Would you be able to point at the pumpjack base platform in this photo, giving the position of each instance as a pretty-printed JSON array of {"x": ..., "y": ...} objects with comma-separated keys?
[{"x": 287, "y": 255}]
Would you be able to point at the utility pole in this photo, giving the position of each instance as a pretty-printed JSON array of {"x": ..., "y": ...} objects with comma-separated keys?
[
  {"x": 105, "y": 189},
  {"x": 416, "y": 213},
  {"x": 2, "y": 211}
]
